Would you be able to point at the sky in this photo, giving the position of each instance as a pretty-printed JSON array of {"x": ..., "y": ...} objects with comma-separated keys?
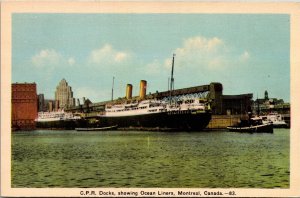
[{"x": 247, "y": 53}]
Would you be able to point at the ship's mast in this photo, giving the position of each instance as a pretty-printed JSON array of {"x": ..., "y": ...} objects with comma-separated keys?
[
  {"x": 172, "y": 78},
  {"x": 258, "y": 110},
  {"x": 112, "y": 89}
]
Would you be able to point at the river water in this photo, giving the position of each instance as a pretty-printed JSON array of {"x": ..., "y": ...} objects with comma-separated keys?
[{"x": 45, "y": 158}]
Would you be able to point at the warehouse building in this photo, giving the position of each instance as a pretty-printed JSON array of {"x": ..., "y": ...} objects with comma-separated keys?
[{"x": 24, "y": 106}]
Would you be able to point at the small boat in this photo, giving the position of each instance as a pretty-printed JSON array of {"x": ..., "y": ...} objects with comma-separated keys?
[
  {"x": 97, "y": 129},
  {"x": 254, "y": 125},
  {"x": 276, "y": 119}
]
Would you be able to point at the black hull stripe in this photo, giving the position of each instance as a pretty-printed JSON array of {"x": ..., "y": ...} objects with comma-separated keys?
[{"x": 197, "y": 121}]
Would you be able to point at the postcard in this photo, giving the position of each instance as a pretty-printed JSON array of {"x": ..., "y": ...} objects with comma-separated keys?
[{"x": 149, "y": 99}]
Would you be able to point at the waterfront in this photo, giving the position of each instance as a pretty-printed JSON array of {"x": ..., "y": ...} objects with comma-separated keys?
[{"x": 45, "y": 158}]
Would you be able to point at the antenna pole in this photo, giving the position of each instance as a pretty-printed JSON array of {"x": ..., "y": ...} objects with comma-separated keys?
[
  {"x": 172, "y": 78},
  {"x": 112, "y": 89}
]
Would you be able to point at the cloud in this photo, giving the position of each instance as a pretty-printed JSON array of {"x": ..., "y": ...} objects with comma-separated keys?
[
  {"x": 120, "y": 56},
  {"x": 245, "y": 56},
  {"x": 46, "y": 57},
  {"x": 196, "y": 53},
  {"x": 71, "y": 61},
  {"x": 201, "y": 45},
  {"x": 50, "y": 58},
  {"x": 107, "y": 55},
  {"x": 201, "y": 52},
  {"x": 167, "y": 63}
]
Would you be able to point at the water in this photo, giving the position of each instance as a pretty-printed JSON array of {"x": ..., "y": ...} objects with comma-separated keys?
[{"x": 150, "y": 159}]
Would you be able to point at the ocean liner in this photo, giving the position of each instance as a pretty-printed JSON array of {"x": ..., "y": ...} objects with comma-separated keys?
[
  {"x": 58, "y": 119},
  {"x": 191, "y": 114}
]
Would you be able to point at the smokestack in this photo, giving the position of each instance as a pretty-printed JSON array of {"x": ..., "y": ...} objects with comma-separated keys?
[
  {"x": 78, "y": 101},
  {"x": 129, "y": 91},
  {"x": 83, "y": 99},
  {"x": 143, "y": 87}
]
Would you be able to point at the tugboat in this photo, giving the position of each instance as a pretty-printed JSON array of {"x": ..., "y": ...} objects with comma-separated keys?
[{"x": 254, "y": 125}]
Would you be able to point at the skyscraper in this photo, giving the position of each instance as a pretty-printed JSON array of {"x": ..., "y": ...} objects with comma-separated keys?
[
  {"x": 41, "y": 102},
  {"x": 64, "y": 95}
]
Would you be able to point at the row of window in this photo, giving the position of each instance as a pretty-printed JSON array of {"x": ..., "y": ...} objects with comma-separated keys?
[
  {"x": 135, "y": 108},
  {"x": 24, "y": 89},
  {"x": 23, "y": 101},
  {"x": 23, "y": 96}
]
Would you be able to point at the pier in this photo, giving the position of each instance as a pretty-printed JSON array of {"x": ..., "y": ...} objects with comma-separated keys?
[
  {"x": 226, "y": 109},
  {"x": 211, "y": 92}
]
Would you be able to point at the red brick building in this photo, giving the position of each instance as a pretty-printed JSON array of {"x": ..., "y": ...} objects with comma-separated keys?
[{"x": 24, "y": 105}]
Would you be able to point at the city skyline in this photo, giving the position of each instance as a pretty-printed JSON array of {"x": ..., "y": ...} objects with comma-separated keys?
[{"x": 246, "y": 53}]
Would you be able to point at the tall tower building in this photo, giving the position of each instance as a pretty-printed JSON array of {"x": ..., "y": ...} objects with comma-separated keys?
[
  {"x": 266, "y": 95},
  {"x": 64, "y": 95},
  {"x": 41, "y": 102}
]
